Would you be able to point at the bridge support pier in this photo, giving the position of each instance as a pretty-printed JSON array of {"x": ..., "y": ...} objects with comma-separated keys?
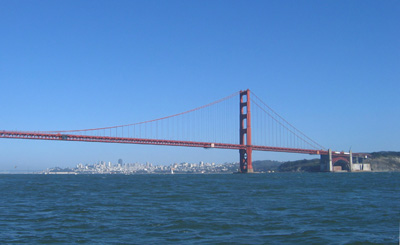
[
  {"x": 326, "y": 162},
  {"x": 351, "y": 161},
  {"x": 245, "y": 133}
]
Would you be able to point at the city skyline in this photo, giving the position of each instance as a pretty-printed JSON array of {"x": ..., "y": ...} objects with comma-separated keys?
[
  {"x": 330, "y": 69},
  {"x": 144, "y": 168}
]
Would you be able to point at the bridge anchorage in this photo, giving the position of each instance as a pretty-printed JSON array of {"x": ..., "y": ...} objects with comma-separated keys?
[
  {"x": 343, "y": 161},
  {"x": 206, "y": 127}
]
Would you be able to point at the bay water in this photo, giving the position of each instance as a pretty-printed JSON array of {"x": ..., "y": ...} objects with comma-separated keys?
[{"x": 276, "y": 208}]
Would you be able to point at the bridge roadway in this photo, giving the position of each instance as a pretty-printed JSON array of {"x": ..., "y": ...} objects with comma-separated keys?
[{"x": 123, "y": 140}]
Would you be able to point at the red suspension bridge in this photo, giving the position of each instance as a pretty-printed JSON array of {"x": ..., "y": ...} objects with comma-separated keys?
[{"x": 214, "y": 125}]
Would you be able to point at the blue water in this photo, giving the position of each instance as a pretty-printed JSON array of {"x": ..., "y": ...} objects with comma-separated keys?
[{"x": 274, "y": 208}]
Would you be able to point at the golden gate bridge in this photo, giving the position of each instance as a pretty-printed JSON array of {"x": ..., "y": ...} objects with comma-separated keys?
[{"x": 222, "y": 124}]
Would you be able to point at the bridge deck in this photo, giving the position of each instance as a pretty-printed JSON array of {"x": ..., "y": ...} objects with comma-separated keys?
[{"x": 123, "y": 140}]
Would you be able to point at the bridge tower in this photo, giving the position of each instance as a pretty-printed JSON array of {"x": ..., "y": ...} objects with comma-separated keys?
[{"x": 245, "y": 133}]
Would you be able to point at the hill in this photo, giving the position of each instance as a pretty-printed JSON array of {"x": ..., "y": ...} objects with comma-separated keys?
[
  {"x": 300, "y": 166},
  {"x": 266, "y": 165},
  {"x": 384, "y": 161}
]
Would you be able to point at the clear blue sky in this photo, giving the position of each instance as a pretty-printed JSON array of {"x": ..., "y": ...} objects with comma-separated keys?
[{"x": 331, "y": 68}]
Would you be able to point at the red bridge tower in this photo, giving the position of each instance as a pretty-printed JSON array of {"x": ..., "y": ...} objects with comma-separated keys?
[{"x": 245, "y": 133}]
